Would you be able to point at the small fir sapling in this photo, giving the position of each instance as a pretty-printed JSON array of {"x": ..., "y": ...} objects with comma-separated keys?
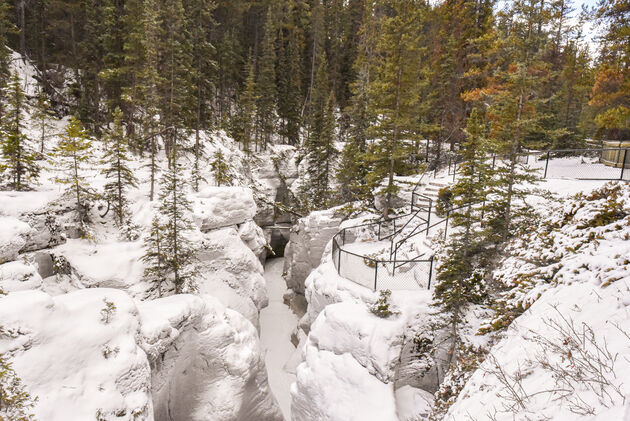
[
  {"x": 15, "y": 402},
  {"x": 382, "y": 307},
  {"x": 107, "y": 312}
]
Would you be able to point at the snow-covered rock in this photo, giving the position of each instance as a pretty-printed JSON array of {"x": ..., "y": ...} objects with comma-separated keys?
[
  {"x": 305, "y": 249},
  {"x": 19, "y": 276},
  {"x": 97, "y": 353},
  {"x": 254, "y": 237},
  {"x": 206, "y": 362},
  {"x": 13, "y": 235},
  {"x": 231, "y": 271},
  {"x": 218, "y": 207},
  {"x": 274, "y": 177},
  {"x": 79, "y": 361},
  {"x": 352, "y": 360}
]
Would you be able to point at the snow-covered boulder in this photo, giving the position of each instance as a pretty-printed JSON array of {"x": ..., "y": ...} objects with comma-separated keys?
[
  {"x": 273, "y": 178},
  {"x": 254, "y": 237},
  {"x": 230, "y": 270},
  {"x": 13, "y": 235},
  {"x": 98, "y": 354},
  {"x": 308, "y": 240},
  {"x": 79, "y": 359},
  {"x": 218, "y": 207},
  {"x": 19, "y": 276},
  {"x": 207, "y": 362},
  {"x": 46, "y": 230}
]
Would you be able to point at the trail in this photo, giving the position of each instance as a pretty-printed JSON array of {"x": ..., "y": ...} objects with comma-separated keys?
[{"x": 277, "y": 322}]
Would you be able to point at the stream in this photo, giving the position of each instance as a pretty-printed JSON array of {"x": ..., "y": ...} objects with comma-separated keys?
[{"x": 277, "y": 322}]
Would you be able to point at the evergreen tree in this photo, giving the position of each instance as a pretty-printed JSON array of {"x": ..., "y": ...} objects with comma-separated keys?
[
  {"x": 180, "y": 252},
  {"x": 18, "y": 156},
  {"x": 319, "y": 146},
  {"x": 201, "y": 24},
  {"x": 394, "y": 92},
  {"x": 41, "y": 117},
  {"x": 289, "y": 87},
  {"x": 460, "y": 274},
  {"x": 611, "y": 90},
  {"x": 221, "y": 169},
  {"x": 155, "y": 256},
  {"x": 72, "y": 158},
  {"x": 120, "y": 177},
  {"x": 243, "y": 126},
  {"x": 15, "y": 402},
  {"x": 266, "y": 83},
  {"x": 7, "y": 28}
]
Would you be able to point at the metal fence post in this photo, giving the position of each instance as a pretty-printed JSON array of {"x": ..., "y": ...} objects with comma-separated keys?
[
  {"x": 494, "y": 159},
  {"x": 339, "y": 261},
  {"x": 623, "y": 163},
  {"x": 448, "y": 213},
  {"x": 375, "y": 273},
  {"x": 430, "y": 272},
  {"x": 547, "y": 164},
  {"x": 429, "y": 215}
]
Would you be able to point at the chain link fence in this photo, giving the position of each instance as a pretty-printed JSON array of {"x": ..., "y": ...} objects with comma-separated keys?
[{"x": 375, "y": 273}]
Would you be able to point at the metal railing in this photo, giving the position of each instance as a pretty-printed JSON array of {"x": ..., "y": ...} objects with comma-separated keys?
[
  {"x": 375, "y": 273},
  {"x": 576, "y": 164}
]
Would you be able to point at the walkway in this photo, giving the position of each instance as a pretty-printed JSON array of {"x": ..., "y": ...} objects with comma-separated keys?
[{"x": 277, "y": 322}]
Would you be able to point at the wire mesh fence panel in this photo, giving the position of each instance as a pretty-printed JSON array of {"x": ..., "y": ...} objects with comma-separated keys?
[
  {"x": 581, "y": 164},
  {"x": 394, "y": 276},
  {"x": 335, "y": 253},
  {"x": 357, "y": 269}
]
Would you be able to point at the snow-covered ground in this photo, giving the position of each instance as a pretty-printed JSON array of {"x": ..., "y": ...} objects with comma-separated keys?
[{"x": 277, "y": 322}]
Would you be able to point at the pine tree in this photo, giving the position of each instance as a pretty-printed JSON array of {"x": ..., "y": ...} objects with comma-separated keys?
[
  {"x": 221, "y": 169},
  {"x": 155, "y": 256},
  {"x": 319, "y": 146},
  {"x": 460, "y": 274},
  {"x": 266, "y": 83},
  {"x": 394, "y": 92},
  {"x": 289, "y": 87},
  {"x": 242, "y": 126},
  {"x": 120, "y": 177},
  {"x": 18, "y": 156},
  {"x": 201, "y": 25},
  {"x": 180, "y": 252},
  {"x": 611, "y": 90},
  {"x": 7, "y": 28},
  {"x": 41, "y": 117},
  {"x": 72, "y": 157},
  {"x": 15, "y": 402}
]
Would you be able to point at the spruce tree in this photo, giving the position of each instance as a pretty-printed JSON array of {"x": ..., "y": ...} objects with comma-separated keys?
[
  {"x": 319, "y": 146},
  {"x": 72, "y": 157},
  {"x": 394, "y": 92},
  {"x": 15, "y": 403},
  {"x": 155, "y": 256},
  {"x": 220, "y": 169},
  {"x": 180, "y": 251},
  {"x": 460, "y": 274},
  {"x": 266, "y": 83},
  {"x": 242, "y": 125},
  {"x": 18, "y": 156},
  {"x": 120, "y": 177},
  {"x": 41, "y": 117},
  {"x": 289, "y": 87}
]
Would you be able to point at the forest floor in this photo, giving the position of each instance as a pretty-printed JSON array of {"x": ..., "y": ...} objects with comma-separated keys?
[{"x": 277, "y": 322}]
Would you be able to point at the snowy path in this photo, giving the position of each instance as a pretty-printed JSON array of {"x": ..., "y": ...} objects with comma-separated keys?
[{"x": 277, "y": 322}]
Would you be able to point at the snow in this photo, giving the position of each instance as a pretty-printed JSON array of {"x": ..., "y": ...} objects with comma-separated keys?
[
  {"x": 12, "y": 237},
  {"x": 217, "y": 207},
  {"x": 277, "y": 323},
  {"x": 58, "y": 347}
]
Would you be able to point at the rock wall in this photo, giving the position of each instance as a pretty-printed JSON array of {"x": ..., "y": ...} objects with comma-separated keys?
[{"x": 308, "y": 240}]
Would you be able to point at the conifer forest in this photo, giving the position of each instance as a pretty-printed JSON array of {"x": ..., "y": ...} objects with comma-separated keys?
[{"x": 314, "y": 210}]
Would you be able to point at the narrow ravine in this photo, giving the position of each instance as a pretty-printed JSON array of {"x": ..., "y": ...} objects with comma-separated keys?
[{"x": 277, "y": 322}]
